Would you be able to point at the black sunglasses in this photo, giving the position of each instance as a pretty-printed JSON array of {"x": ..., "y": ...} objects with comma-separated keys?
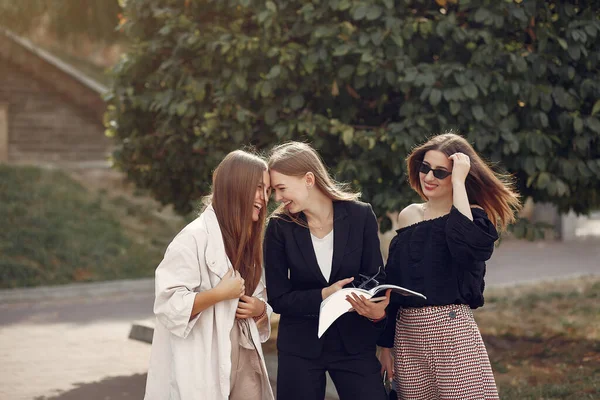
[{"x": 438, "y": 173}]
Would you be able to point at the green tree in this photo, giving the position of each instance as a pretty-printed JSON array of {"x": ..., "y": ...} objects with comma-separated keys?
[
  {"x": 364, "y": 81},
  {"x": 67, "y": 19}
]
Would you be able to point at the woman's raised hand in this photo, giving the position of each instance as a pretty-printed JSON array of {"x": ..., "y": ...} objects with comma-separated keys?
[
  {"x": 368, "y": 308},
  {"x": 231, "y": 286},
  {"x": 461, "y": 166},
  {"x": 329, "y": 290}
]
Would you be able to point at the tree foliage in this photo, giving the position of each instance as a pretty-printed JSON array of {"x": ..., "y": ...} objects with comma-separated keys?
[
  {"x": 364, "y": 81},
  {"x": 67, "y": 19}
]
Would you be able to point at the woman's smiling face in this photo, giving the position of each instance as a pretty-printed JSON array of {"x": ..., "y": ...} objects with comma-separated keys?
[
  {"x": 261, "y": 197},
  {"x": 434, "y": 187},
  {"x": 291, "y": 191}
]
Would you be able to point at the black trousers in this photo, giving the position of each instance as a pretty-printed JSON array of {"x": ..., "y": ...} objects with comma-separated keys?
[{"x": 356, "y": 376}]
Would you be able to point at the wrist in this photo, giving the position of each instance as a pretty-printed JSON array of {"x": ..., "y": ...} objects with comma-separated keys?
[
  {"x": 219, "y": 294},
  {"x": 378, "y": 319},
  {"x": 458, "y": 182},
  {"x": 262, "y": 314}
]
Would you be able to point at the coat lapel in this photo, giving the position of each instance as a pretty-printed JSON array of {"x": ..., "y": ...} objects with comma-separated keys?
[
  {"x": 341, "y": 229},
  {"x": 304, "y": 242},
  {"x": 215, "y": 255}
]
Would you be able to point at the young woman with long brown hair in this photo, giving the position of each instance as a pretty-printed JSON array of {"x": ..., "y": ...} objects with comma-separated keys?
[
  {"x": 319, "y": 240},
  {"x": 210, "y": 304},
  {"x": 440, "y": 250}
]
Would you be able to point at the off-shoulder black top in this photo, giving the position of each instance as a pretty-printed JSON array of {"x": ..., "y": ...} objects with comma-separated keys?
[{"x": 442, "y": 258}]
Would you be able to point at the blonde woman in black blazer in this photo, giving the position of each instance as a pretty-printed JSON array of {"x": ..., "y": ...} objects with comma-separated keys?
[{"x": 319, "y": 240}]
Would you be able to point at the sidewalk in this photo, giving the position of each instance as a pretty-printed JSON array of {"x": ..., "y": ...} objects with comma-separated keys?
[
  {"x": 71, "y": 342},
  {"x": 78, "y": 345}
]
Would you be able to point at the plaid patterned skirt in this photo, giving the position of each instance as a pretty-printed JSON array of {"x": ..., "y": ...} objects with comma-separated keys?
[{"x": 439, "y": 354}]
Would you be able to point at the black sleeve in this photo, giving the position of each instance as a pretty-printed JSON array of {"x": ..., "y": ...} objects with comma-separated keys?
[
  {"x": 387, "y": 336},
  {"x": 470, "y": 240},
  {"x": 282, "y": 297},
  {"x": 371, "y": 261}
]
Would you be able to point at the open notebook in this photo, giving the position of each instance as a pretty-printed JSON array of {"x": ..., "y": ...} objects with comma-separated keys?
[{"x": 336, "y": 304}]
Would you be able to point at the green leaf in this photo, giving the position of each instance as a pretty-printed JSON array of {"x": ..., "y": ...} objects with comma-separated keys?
[
  {"x": 346, "y": 71},
  {"x": 344, "y": 5},
  {"x": 182, "y": 109},
  {"x": 348, "y": 136},
  {"x": 271, "y": 116},
  {"x": 540, "y": 162},
  {"x": 481, "y": 15},
  {"x": 266, "y": 89},
  {"x": 297, "y": 101},
  {"x": 397, "y": 39},
  {"x": 263, "y": 15},
  {"x": 271, "y": 6},
  {"x": 563, "y": 43},
  {"x": 454, "y": 107},
  {"x": 596, "y": 107},
  {"x": 377, "y": 37},
  {"x": 374, "y": 13},
  {"x": 470, "y": 90},
  {"x": 502, "y": 109},
  {"x": 543, "y": 180},
  {"x": 519, "y": 14},
  {"x": 274, "y": 72},
  {"x": 562, "y": 189},
  {"x": 341, "y": 50},
  {"x": 593, "y": 124},
  {"x": 435, "y": 97},
  {"x": 574, "y": 52},
  {"x": 478, "y": 112},
  {"x": 546, "y": 102},
  {"x": 577, "y": 124},
  {"x": 543, "y": 120},
  {"x": 529, "y": 165},
  {"x": 359, "y": 13}
]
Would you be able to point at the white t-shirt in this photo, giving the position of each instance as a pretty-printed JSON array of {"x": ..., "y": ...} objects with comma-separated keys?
[{"x": 324, "y": 252}]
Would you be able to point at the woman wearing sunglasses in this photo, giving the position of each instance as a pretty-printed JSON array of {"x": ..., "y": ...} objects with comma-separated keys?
[{"x": 440, "y": 250}]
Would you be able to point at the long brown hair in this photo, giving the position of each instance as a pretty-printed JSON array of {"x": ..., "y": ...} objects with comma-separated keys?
[
  {"x": 493, "y": 191},
  {"x": 296, "y": 159},
  {"x": 234, "y": 188}
]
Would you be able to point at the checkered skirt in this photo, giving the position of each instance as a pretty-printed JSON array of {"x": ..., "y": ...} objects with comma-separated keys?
[{"x": 439, "y": 354}]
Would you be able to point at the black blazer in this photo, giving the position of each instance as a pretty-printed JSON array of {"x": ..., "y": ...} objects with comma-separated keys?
[{"x": 295, "y": 281}]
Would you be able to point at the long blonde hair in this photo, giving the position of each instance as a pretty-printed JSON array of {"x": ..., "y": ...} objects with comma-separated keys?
[
  {"x": 493, "y": 191},
  {"x": 234, "y": 188},
  {"x": 297, "y": 159}
]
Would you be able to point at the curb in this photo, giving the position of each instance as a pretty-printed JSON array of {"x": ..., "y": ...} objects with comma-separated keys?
[
  {"x": 527, "y": 282},
  {"x": 74, "y": 290}
]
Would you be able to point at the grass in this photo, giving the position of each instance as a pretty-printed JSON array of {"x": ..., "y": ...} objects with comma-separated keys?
[
  {"x": 55, "y": 230},
  {"x": 543, "y": 339}
]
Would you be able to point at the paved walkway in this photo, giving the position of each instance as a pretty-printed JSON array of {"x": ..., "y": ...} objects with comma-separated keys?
[
  {"x": 71, "y": 343},
  {"x": 78, "y": 345}
]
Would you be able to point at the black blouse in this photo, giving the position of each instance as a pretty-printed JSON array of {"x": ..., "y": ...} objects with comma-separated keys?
[{"x": 442, "y": 258}]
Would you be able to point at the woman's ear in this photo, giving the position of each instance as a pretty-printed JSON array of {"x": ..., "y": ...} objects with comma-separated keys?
[{"x": 309, "y": 179}]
